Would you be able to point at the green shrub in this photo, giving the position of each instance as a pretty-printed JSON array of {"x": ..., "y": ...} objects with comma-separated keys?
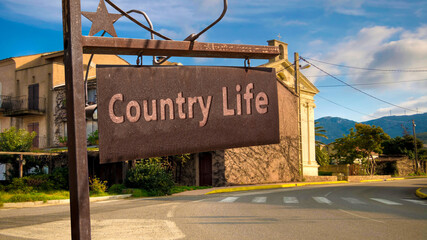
[
  {"x": 151, "y": 176},
  {"x": 59, "y": 177},
  {"x": 117, "y": 188},
  {"x": 93, "y": 138},
  {"x": 139, "y": 193},
  {"x": 96, "y": 185},
  {"x": 19, "y": 185},
  {"x": 39, "y": 182},
  {"x": 321, "y": 173}
]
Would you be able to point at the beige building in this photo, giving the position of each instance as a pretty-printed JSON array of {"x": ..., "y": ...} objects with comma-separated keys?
[{"x": 33, "y": 96}]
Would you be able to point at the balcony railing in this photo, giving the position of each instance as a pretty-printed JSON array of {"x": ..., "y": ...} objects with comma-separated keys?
[
  {"x": 19, "y": 106},
  {"x": 5, "y": 103}
]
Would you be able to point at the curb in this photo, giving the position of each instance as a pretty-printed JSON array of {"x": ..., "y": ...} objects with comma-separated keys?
[
  {"x": 420, "y": 194},
  {"x": 61, "y": 201},
  {"x": 381, "y": 180},
  {"x": 275, "y": 186}
]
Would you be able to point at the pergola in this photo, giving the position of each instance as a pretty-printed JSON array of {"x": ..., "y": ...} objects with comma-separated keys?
[{"x": 21, "y": 158}]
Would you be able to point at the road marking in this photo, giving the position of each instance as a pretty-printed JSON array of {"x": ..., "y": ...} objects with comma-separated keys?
[
  {"x": 327, "y": 194},
  {"x": 385, "y": 201},
  {"x": 353, "y": 200},
  {"x": 322, "y": 200},
  {"x": 290, "y": 200},
  {"x": 360, "y": 216},
  {"x": 259, "y": 200},
  {"x": 229, "y": 199},
  {"x": 171, "y": 211},
  {"x": 416, "y": 201}
]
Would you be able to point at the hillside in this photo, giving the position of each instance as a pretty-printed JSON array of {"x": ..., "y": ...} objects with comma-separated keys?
[
  {"x": 336, "y": 127},
  {"x": 422, "y": 137}
]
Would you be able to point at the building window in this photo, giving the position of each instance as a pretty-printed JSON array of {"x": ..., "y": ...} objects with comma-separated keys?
[
  {"x": 33, "y": 97},
  {"x": 91, "y": 96}
]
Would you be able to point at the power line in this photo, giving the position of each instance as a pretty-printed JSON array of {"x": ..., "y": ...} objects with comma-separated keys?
[
  {"x": 356, "y": 88},
  {"x": 356, "y": 74},
  {"x": 317, "y": 95},
  {"x": 356, "y": 111},
  {"x": 366, "y": 84},
  {"x": 369, "y": 69}
]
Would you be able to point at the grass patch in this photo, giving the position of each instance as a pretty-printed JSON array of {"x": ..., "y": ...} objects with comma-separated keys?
[
  {"x": 137, "y": 193},
  {"x": 178, "y": 189},
  {"x": 33, "y": 196},
  {"x": 99, "y": 194},
  {"x": 9, "y": 197}
]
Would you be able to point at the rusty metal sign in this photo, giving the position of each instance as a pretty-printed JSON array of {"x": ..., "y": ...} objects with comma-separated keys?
[{"x": 164, "y": 110}]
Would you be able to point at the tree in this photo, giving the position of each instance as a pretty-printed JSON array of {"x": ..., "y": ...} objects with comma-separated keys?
[
  {"x": 319, "y": 131},
  {"x": 404, "y": 146},
  {"x": 12, "y": 140},
  {"x": 345, "y": 149},
  {"x": 401, "y": 146},
  {"x": 322, "y": 156},
  {"x": 362, "y": 143}
]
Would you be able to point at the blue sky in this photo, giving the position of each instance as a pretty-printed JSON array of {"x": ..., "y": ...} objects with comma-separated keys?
[{"x": 381, "y": 34}]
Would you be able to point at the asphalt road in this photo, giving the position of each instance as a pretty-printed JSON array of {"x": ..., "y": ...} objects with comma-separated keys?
[{"x": 384, "y": 210}]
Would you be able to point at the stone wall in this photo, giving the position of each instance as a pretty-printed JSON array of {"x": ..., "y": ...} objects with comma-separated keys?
[
  {"x": 405, "y": 167},
  {"x": 186, "y": 174},
  {"x": 344, "y": 169},
  {"x": 321, "y": 178},
  {"x": 59, "y": 115},
  {"x": 263, "y": 164},
  {"x": 396, "y": 165},
  {"x": 219, "y": 169}
]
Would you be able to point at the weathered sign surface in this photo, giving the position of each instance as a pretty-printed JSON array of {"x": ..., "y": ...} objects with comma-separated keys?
[{"x": 164, "y": 110}]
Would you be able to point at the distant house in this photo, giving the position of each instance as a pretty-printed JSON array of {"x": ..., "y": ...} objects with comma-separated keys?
[{"x": 32, "y": 92}]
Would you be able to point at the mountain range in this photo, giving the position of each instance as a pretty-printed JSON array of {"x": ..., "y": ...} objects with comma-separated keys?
[{"x": 392, "y": 125}]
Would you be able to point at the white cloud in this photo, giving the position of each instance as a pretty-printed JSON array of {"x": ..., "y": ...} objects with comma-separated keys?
[
  {"x": 47, "y": 10},
  {"x": 419, "y": 104},
  {"x": 346, "y": 7},
  {"x": 169, "y": 14},
  {"x": 379, "y": 47}
]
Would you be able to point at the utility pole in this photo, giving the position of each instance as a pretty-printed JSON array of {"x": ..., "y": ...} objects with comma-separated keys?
[
  {"x": 297, "y": 91},
  {"x": 415, "y": 145}
]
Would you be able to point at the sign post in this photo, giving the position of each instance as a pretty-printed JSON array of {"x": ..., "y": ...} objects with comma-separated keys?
[
  {"x": 75, "y": 45},
  {"x": 76, "y": 121}
]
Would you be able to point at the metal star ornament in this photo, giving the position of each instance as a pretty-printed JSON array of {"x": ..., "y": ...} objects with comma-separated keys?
[{"x": 102, "y": 20}]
